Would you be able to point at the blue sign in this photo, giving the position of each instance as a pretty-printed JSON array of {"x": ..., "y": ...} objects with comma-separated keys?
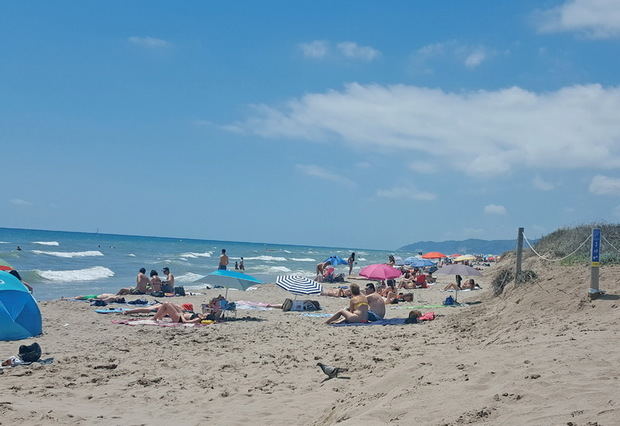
[{"x": 596, "y": 247}]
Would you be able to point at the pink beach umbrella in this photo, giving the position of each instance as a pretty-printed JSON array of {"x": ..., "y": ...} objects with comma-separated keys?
[{"x": 379, "y": 272}]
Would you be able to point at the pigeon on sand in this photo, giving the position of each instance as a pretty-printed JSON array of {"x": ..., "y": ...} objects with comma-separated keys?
[{"x": 330, "y": 371}]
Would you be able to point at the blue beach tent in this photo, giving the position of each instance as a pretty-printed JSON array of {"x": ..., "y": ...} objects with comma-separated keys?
[{"x": 20, "y": 317}]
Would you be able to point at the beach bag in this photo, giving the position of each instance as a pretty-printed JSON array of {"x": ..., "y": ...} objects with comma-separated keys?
[
  {"x": 98, "y": 302},
  {"x": 158, "y": 294},
  {"x": 179, "y": 291},
  {"x": 305, "y": 306},
  {"x": 449, "y": 301},
  {"x": 30, "y": 353}
]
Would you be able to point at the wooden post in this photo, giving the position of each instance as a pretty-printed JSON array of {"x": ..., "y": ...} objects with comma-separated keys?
[
  {"x": 519, "y": 255},
  {"x": 595, "y": 254}
]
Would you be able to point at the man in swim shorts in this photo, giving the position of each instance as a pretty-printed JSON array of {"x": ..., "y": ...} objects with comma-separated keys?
[
  {"x": 376, "y": 304},
  {"x": 223, "y": 261}
]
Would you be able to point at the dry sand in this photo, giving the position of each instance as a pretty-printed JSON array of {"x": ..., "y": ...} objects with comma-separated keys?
[{"x": 539, "y": 354}]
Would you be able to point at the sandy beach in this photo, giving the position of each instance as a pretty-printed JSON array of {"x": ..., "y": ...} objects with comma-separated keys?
[{"x": 539, "y": 354}]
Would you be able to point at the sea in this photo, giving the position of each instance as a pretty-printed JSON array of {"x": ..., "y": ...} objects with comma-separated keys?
[{"x": 66, "y": 264}]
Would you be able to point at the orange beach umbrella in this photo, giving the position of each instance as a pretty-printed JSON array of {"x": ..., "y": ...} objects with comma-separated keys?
[{"x": 433, "y": 255}]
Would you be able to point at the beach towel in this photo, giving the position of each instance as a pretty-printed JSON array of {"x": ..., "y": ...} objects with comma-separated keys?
[
  {"x": 157, "y": 323},
  {"x": 254, "y": 306},
  {"x": 111, "y": 311},
  {"x": 426, "y": 306}
]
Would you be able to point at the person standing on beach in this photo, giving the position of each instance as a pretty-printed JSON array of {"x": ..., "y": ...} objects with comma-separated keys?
[
  {"x": 241, "y": 265},
  {"x": 223, "y": 261},
  {"x": 351, "y": 261}
]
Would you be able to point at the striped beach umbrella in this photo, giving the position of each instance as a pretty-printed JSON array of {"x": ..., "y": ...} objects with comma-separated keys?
[{"x": 297, "y": 284}]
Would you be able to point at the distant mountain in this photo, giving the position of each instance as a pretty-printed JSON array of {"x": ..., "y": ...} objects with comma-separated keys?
[{"x": 471, "y": 246}]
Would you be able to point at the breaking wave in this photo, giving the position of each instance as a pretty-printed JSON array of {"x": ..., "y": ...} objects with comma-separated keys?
[
  {"x": 47, "y": 243},
  {"x": 303, "y": 259},
  {"x": 88, "y": 274},
  {"x": 193, "y": 255},
  {"x": 267, "y": 258},
  {"x": 189, "y": 277},
  {"x": 69, "y": 254}
]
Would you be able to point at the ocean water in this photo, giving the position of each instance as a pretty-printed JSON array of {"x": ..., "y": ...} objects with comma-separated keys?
[{"x": 64, "y": 264}]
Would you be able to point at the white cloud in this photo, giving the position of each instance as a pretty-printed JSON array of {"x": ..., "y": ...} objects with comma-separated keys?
[
  {"x": 409, "y": 192},
  {"x": 19, "y": 202},
  {"x": 423, "y": 167},
  {"x": 470, "y": 56},
  {"x": 149, "y": 42},
  {"x": 594, "y": 18},
  {"x": 321, "y": 173},
  {"x": 355, "y": 51},
  {"x": 603, "y": 185},
  {"x": 543, "y": 185},
  {"x": 480, "y": 132},
  {"x": 316, "y": 49},
  {"x": 475, "y": 58},
  {"x": 494, "y": 209}
]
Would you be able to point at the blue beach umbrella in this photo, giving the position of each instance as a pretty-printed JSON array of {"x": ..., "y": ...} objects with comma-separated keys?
[
  {"x": 416, "y": 262},
  {"x": 336, "y": 260},
  {"x": 230, "y": 279}
]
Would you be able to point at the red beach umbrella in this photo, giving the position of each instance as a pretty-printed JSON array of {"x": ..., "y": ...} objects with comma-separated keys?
[
  {"x": 5, "y": 268},
  {"x": 379, "y": 272},
  {"x": 433, "y": 255}
]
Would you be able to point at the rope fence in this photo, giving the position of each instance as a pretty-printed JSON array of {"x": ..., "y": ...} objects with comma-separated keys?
[{"x": 560, "y": 259}]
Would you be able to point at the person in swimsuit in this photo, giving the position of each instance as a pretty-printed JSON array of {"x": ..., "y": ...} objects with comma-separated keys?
[
  {"x": 376, "y": 304},
  {"x": 223, "y": 261},
  {"x": 155, "y": 281},
  {"x": 106, "y": 297},
  {"x": 142, "y": 283},
  {"x": 357, "y": 311},
  {"x": 177, "y": 314},
  {"x": 351, "y": 261},
  {"x": 241, "y": 265},
  {"x": 168, "y": 283}
]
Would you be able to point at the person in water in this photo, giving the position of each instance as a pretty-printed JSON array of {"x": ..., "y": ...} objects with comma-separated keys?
[
  {"x": 241, "y": 265},
  {"x": 357, "y": 311},
  {"x": 223, "y": 261}
]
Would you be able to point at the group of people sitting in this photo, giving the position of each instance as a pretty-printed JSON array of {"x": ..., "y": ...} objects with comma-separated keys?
[
  {"x": 460, "y": 285},
  {"x": 416, "y": 278},
  {"x": 153, "y": 285},
  {"x": 325, "y": 273},
  {"x": 369, "y": 306}
]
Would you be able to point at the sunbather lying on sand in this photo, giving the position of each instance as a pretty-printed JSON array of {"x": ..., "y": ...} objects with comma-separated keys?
[
  {"x": 357, "y": 311},
  {"x": 187, "y": 307},
  {"x": 177, "y": 314},
  {"x": 336, "y": 292},
  {"x": 106, "y": 297}
]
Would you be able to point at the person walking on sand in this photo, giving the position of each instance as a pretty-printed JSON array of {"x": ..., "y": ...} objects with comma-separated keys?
[
  {"x": 351, "y": 261},
  {"x": 223, "y": 261}
]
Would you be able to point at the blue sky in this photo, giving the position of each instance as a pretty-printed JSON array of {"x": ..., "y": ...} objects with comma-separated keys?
[{"x": 352, "y": 123}]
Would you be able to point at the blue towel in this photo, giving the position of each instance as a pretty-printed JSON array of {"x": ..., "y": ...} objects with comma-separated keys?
[
  {"x": 111, "y": 311},
  {"x": 391, "y": 321}
]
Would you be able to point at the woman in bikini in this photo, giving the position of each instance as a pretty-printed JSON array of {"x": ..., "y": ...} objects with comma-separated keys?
[{"x": 357, "y": 311}]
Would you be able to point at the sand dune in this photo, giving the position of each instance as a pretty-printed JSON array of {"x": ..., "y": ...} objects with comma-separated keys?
[{"x": 539, "y": 354}]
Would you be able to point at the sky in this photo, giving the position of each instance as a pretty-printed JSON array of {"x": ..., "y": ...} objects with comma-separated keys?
[{"x": 353, "y": 123}]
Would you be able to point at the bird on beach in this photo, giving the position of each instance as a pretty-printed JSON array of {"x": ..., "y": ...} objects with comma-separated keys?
[{"x": 330, "y": 371}]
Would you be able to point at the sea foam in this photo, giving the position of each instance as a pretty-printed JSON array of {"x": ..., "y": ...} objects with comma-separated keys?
[
  {"x": 69, "y": 254},
  {"x": 267, "y": 258},
  {"x": 303, "y": 259},
  {"x": 88, "y": 274},
  {"x": 47, "y": 243},
  {"x": 193, "y": 255},
  {"x": 189, "y": 277}
]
